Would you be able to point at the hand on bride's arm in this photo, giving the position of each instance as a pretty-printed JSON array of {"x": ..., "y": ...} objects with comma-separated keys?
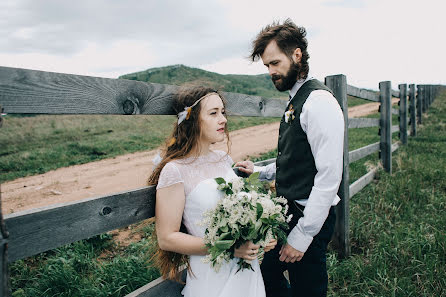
[
  {"x": 247, "y": 251},
  {"x": 245, "y": 166},
  {"x": 271, "y": 245},
  {"x": 169, "y": 209}
]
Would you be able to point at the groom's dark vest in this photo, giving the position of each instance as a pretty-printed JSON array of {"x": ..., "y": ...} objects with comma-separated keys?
[{"x": 295, "y": 167}]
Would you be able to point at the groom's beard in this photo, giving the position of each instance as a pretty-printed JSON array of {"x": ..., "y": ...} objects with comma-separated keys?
[{"x": 288, "y": 80}]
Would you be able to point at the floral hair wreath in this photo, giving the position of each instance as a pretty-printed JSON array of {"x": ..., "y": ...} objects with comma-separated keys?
[{"x": 185, "y": 114}]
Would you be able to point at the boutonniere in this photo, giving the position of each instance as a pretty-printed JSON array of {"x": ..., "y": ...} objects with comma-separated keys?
[{"x": 289, "y": 114}]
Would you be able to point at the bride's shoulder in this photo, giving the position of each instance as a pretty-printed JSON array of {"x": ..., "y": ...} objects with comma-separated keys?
[{"x": 224, "y": 156}]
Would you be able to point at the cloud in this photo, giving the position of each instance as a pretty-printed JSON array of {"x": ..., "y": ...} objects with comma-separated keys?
[{"x": 368, "y": 40}]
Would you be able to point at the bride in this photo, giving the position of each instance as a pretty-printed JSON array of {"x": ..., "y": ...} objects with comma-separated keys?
[{"x": 186, "y": 189}]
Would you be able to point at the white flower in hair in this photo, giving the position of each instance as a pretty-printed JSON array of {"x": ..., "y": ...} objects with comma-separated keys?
[{"x": 185, "y": 114}]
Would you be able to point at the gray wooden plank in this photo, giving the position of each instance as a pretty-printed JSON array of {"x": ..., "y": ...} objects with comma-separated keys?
[
  {"x": 395, "y": 111},
  {"x": 395, "y": 93},
  {"x": 160, "y": 287},
  {"x": 395, "y": 146},
  {"x": 4, "y": 271},
  {"x": 42, "y": 229},
  {"x": 362, "y": 93},
  {"x": 362, "y": 123},
  {"x": 412, "y": 110},
  {"x": 386, "y": 125},
  {"x": 363, "y": 181},
  {"x": 403, "y": 113},
  {"x": 32, "y": 91},
  {"x": 420, "y": 104},
  {"x": 341, "y": 239},
  {"x": 362, "y": 152},
  {"x": 395, "y": 128}
]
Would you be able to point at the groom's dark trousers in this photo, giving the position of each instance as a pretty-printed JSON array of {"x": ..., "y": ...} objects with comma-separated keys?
[{"x": 308, "y": 277}]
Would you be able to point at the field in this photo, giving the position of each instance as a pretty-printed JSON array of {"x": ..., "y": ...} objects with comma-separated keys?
[{"x": 397, "y": 228}]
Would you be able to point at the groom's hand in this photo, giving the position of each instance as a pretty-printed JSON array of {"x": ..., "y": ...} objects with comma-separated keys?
[
  {"x": 245, "y": 166},
  {"x": 289, "y": 254}
]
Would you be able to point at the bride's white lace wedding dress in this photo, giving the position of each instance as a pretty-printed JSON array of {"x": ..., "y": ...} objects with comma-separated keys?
[{"x": 200, "y": 188}]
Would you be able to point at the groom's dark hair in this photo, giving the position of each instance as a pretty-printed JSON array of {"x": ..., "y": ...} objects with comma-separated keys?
[{"x": 288, "y": 37}]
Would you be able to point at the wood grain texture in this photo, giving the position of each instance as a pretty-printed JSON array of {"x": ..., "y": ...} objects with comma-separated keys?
[
  {"x": 38, "y": 230},
  {"x": 4, "y": 271},
  {"x": 32, "y": 91},
  {"x": 361, "y": 182},
  {"x": 362, "y": 93},
  {"x": 362, "y": 123},
  {"x": 403, "y": 113},
  {"x": 341, "y": 239},
  {"x": 362, "y": 152},
  {"x": 395, "y": 146},
  {"x": 412, "y": 110},
  {"x": 386, "y": 123}
]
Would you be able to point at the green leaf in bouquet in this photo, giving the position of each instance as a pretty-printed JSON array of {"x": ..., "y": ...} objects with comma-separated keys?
[
  {"x": 224, "y": 228},
  {"x": 220, "y": 180},
  {"x": 224, "y": 244},
  {"x": 225, "y": 236},
  {"x": 259, "y": 210},
  {"x": 254, "y": 176},
  {"x": 229, "y": 191}
]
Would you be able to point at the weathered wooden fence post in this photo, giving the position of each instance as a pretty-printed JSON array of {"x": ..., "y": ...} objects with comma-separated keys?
[
  {"x": 4, "y": 288},
  {"x": 386, "y": 125},
  {"x": 431, "y": 96},
  {"x": 341, "y": 240},
  {"x": 412, "y": 111},
  {"x": 428, "y": 94},
  {"x": 403, "y": 113},
  {"x": 420, "y": 99}
]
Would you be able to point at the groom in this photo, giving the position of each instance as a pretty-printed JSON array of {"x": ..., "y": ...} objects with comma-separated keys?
[{"x": 308, "y": 167}]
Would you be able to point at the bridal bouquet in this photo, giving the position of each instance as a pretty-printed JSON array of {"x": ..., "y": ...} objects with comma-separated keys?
[{"x": 249, "y": 211}]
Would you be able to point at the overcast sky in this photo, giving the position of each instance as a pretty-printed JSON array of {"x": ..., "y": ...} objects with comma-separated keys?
[{"x": 367, "y": 40}]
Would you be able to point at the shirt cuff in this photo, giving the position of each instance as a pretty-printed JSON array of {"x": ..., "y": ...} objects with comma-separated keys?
[{"x": 299, "y": 240}]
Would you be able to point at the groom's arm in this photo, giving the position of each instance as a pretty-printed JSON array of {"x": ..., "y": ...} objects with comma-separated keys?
[
  {"x": 323, "y": 122},
  {"x": 267, "y": 172}
]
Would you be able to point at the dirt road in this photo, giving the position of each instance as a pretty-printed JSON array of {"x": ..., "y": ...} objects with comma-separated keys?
[{"x": 126, "y": 172}]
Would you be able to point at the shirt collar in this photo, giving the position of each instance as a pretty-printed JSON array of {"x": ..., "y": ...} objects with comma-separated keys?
[{"x": 299, "y": 84}]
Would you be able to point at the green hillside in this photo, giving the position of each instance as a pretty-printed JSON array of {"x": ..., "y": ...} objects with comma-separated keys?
[{"x": 259, "y": 85}]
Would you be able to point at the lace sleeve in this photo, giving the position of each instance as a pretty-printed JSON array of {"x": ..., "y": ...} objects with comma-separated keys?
[{"x": 169, "y": 175}]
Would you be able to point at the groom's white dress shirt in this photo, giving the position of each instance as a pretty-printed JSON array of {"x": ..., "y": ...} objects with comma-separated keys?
[{"x": 323, "y": 122}]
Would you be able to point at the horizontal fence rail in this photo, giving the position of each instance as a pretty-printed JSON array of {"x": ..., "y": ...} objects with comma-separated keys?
[
  {"x": 32, "y": 91},
  {"x": 362, "y": 123},
  {"x": 362, "y": 93},
  {"x": 38, "y": 230},
  {"x": 363, "y": 152},
  {"x": 361, "y": 182},
  {"x": 395, "y": 93}
]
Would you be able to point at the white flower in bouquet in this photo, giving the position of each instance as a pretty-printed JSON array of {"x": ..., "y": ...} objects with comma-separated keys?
[{"x": 249, "y": 211}]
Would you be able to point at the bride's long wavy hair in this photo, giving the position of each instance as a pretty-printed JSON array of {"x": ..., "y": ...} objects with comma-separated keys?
[{"x": 182, "y": 143}]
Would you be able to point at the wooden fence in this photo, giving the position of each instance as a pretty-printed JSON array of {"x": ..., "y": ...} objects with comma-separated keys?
[{"x": 27, "y": 233}]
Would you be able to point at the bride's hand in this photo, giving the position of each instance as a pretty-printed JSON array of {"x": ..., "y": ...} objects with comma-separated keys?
[
  {"x": 245, "y": 166},
  {"x": 247, "y": 251},
  {"x": 271, "y": 245}
]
